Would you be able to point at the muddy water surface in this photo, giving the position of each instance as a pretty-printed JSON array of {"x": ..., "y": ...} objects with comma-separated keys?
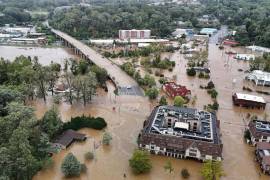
[
  {"x": 126, "y": 121},
  {"x": 45, "y": 55}
]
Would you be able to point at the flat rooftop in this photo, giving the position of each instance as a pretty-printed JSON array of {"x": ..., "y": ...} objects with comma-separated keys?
[
  {"x": 260, "y": 75},
  {"x": 184, "y": 122},
  {"x": 249, "y": 97}
]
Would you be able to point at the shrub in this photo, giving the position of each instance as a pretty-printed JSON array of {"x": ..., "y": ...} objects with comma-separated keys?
[
  {"x": 79, "y": 122},
  {"x": 185, "y": 174},
  {"x": 162, "y": 80},
  {"x": 191, "y": 72},
  {"x": 179, "y": 101},
  {"x": 152, "y": 93},
  {"x": 83, "y": 168},
  {"x": 89, "y": 155},
  {"x": 201, "y": 75},
  {"x": 128, "y": 68},
  {"x": 106, "y": 139},
  {"x": 213, "y": 93},
  {"x": 163, "y": 101},
  {"x": 210, "y": 85}
]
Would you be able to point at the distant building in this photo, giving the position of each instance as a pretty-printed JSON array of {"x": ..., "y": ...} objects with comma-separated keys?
[
  {"x": 182, "y": 133},
  {"x": 228, "y": 42},
  {"x": 245, "y": 57},
  {"x": 248, "y": 101},
  {"x": 208, "y": 31},
  {"x": 260, "y": 78},
  {"x": 263, "y": 156},
  {"x": 259, "y": 131},
  {"x": 172, "y": 90},
  {"x": 67, "y": 138},
  {"x": 29, "y": 41},
  {"x": 134, "y": 34},
  {"x": 178, "y": 33},
  {"x": 202, "y": 69},
  {"x": 259, "y": 49},
  {"x": 200, "y": 37}
]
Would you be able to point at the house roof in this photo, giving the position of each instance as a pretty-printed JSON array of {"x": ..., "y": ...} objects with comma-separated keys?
[
  {"x": 250, "y": 97},
  {"x": 266, "y": 160},
  {"x": 256, "y": 131},
  {"x": 67, "y": 137}
]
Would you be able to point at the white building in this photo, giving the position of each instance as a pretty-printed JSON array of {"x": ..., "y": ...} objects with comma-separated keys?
[
  {"x": 134, "y": 34},
  {"x": 246, "y": 57},
  {"x": 260, "y": 78},
  {"x": 180, "y": 32},
  {"x": 259, "y": 49}
]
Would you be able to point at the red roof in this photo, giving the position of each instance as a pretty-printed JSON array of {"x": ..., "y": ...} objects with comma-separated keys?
[
  {"x": 173, "y": 89},
  {"x": 230, "y": 42}
]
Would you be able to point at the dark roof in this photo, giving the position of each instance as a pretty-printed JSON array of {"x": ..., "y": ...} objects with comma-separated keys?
[
  {"x": 255, "y": 132},
  {"x": 67, "y": 137}
]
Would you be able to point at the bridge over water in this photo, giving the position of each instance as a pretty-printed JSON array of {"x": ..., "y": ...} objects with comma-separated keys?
[{"x": 120, "y": 78}]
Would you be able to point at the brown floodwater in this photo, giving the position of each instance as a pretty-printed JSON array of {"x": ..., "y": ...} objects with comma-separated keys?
[
  {"x": 45, "y": 55},
  {"x": 125, "y": 122}
]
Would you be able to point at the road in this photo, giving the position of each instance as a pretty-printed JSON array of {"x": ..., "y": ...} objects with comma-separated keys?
[{"x": 120, "y": 78}]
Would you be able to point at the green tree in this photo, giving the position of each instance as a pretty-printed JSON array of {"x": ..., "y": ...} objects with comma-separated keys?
[
  {"x": 101, "y": 74},
  {"x": 152, "y": 93},
  {"x": 70, "y": 166},
  {"x": 163, "y": 101},
  {"x": 212, "y": 170},
  {"x": 51, "y": 123},
  {"x": 179, "y": 101},
  {"x": 86, "y": 85},
  {"x": 140, "y": 162}
]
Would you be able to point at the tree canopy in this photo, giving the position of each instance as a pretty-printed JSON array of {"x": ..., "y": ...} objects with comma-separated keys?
[
  {"x": 140, "y": 162},
  {"x": 71, "y": 166}
]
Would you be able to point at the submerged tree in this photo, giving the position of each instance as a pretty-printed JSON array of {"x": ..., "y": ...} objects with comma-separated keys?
[
  {"x": 179, "y": 101},
  {"x": 168, "y": 167},
  {"x": 212, "y": 170},
  {"x": 163, "y": 101},
  {"x": 140, "y": 162},
  {"x": 106, "y": 139},
  {"x": 71, "y": 166}
]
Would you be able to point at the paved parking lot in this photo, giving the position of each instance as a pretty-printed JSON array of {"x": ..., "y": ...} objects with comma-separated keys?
[{"x": 130, "y": 90}]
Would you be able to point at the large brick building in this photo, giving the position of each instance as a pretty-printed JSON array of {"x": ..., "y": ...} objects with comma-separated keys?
[{"x": 182, "y": 133}]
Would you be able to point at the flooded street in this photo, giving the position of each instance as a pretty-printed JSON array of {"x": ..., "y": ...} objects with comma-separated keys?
[
  {"x": 125, "y": 122},
  {"x": 45, "y": 55}
]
